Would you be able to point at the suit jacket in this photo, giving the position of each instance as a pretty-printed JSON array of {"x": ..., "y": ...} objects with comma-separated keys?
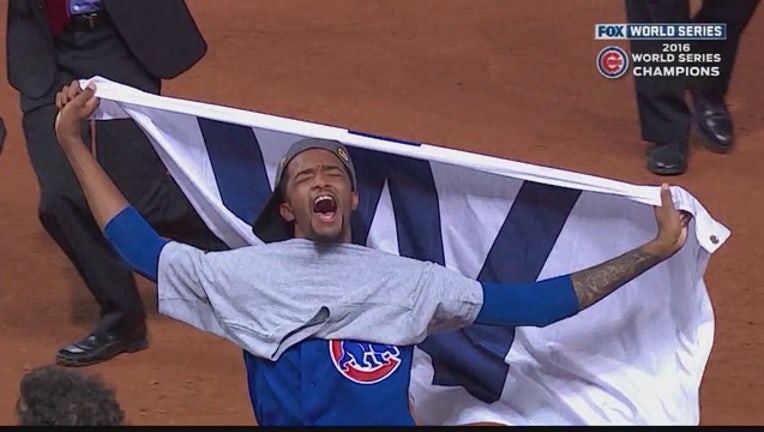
[{"x": 161, "y": 34}]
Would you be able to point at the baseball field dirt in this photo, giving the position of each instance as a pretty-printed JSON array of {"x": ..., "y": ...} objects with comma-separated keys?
[{"x": 512, "y": 79}]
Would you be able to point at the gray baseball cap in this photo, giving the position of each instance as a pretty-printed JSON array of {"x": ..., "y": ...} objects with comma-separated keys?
[{"x": 269, "y": 225}]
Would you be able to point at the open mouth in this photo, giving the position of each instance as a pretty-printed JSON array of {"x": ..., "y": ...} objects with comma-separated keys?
[{"x": 325, "y": 207}]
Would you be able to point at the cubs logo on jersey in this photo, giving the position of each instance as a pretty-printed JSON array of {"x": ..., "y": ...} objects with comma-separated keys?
[{"x": 364, "y": 362}]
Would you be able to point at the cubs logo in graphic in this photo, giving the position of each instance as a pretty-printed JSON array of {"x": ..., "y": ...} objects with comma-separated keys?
[
  {"x": 612, "y": 62},
  {"x": 364, "y": 362}
]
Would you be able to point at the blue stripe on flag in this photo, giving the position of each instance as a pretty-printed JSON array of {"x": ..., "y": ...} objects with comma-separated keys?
[
  {"x": 238, "y": 166},
  {"x": 395, "y": 140},
  {"x": 370, "y": 177},
  {"x": 474, "y": 357},
  {"x": 414, "y": 199}
]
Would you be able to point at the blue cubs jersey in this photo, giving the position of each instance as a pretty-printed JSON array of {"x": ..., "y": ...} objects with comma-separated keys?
[{"x": 320, "y": 383}]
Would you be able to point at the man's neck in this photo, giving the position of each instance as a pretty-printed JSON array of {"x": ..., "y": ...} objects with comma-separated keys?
[{"x": 346, "y": 239}]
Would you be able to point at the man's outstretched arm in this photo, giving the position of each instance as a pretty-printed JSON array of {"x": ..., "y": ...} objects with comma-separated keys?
[
  {"x": 595, "y": 283},
  {"x": 132, "y": 237},
  {"x": 103, "y": 197},
  {"x": 548, "y": 301}
]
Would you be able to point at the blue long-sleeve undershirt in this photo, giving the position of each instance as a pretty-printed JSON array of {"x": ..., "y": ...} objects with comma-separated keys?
[
  {"x": 532, "y": 304},
  {"x": 135, "y": 241}
]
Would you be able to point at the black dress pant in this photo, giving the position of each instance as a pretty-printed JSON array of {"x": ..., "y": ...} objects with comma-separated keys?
[
  {"x": 130, "y": 160},
  {"x": 663, "y": 114}
]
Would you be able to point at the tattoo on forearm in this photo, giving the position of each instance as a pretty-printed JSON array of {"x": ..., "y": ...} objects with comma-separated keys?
[{"x": 595, "y": 283}]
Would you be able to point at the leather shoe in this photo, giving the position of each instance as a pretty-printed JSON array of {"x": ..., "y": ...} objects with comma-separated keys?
[
  {"x": 98, "y": 348},
  {"x": 667, "y": 159},
  {"x": 714, "y": 122}
]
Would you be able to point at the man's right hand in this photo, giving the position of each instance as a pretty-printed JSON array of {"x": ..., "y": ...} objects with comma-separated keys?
[{"x": 75, "y": 105}]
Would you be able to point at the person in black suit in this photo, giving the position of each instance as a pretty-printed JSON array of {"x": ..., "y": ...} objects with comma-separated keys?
[
  {"x": 665, "y": 118},
  {"x": 134, "y": 42}
]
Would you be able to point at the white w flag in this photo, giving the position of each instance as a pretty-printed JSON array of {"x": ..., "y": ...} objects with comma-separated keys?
[{"x": 637, "y": 357}]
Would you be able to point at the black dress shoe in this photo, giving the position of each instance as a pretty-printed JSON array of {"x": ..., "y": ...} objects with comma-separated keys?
[
  {"x": 667, "y": 159},
  {"x": 714, "y": 122},
  {"x": 96, "y": 349}
]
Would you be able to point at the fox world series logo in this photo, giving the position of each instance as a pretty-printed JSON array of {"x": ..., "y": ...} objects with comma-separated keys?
[
  {"x": 671, "y": 56},
  {"x": 364, "y": 362}
]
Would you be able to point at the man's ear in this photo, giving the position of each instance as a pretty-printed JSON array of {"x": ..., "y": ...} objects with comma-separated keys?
[
  {"x": 286, "y": 212},
  {"x": 354, "y": 201}
]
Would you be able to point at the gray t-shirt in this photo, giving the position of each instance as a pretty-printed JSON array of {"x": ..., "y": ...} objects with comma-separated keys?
[{"x": 268, "y": 298}]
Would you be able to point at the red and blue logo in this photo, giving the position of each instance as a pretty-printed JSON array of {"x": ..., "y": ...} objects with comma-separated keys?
[
  {"x": 612, "y": 62},
  {"x": 364, "y": 362}
]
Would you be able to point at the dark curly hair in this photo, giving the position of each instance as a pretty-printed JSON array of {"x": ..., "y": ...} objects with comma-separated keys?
[{"x": 55, "y": 396}]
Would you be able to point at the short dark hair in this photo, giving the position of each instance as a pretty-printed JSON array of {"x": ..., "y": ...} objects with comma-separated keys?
[{"x": 55, "y": 396}]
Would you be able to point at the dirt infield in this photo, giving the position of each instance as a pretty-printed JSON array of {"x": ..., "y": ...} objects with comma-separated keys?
[{"x": 481, "y": 75}]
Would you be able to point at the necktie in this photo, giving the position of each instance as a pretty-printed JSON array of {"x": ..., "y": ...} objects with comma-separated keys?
[{"x": 58, "y": 14}]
